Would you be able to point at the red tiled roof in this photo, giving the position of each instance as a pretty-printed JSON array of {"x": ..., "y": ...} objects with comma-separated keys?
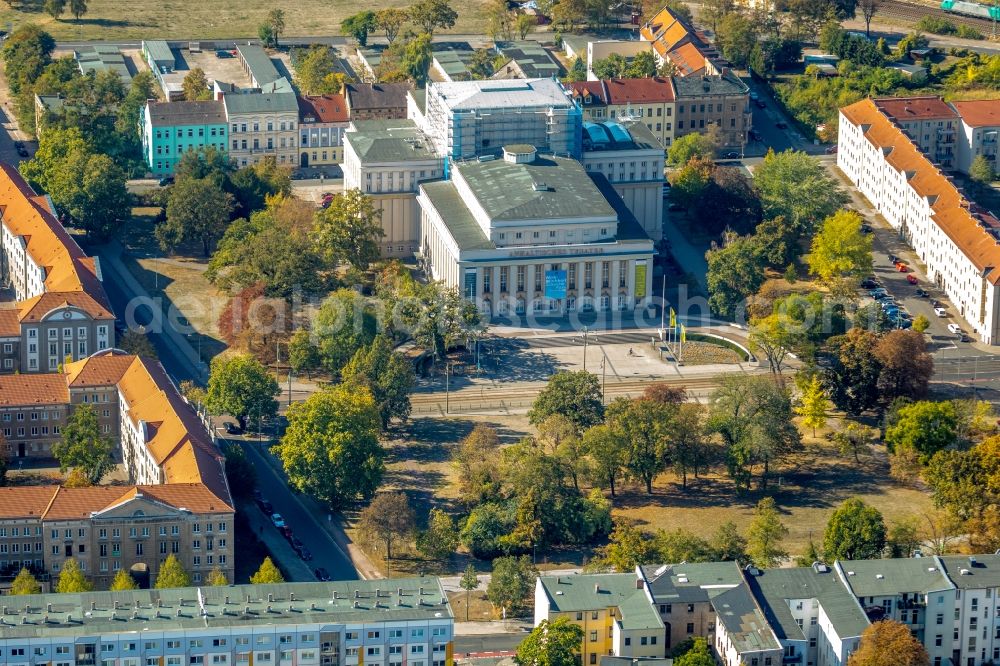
[
  {"x": 25, "y": 501},
  {"x": 925, "y": 107},
  {"x": 324, "y": 108},
  {"x": 33, "y": 389},
  {"x": 9, "y": 326},
  {"x": 102, "y": 369},
  {"x": 655, "y": 89},
  {"x": 979, "y": 112}
]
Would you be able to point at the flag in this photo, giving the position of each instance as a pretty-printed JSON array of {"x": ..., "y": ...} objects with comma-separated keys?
[
  {"x": 673, "y": 318},
  {"x": 683, "y": 334}
]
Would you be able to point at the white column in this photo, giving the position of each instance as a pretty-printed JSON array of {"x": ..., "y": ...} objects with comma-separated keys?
[
  {"x": 529, "y": 288},
  {"x": 613, "y": 285}
]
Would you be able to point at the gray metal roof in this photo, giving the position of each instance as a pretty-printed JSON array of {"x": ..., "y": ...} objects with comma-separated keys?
[
  {"x": 376, "y": 95},
  {"x": 972, "y": 571},
  {"x": 774, "y": 589},
  {"x": 259, "y": 63},
  {"x": 50, "y": 615},
  {"x": 278, "y": 102},
  {"x": 689, "y": 583},
  {"x": 165, "y": 114},
  {"x": 159, "y": 51},
  {"x": 532, "y": 58},
  {"x": 102, "y": 58},
  {"x": 389, "y": 141},
  {"x": 744, "y": 622},
  {"x": 462, "y": 226},
  {"x": 588, "y": 592},
  {"x": 699, "y": 86},
  {"x": 550, "y": 188},
  {"x": 883, "y": 578},
  {"x": 501, "y": 94}
]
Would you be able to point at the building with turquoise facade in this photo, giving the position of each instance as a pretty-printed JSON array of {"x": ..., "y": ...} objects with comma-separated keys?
[{"x": 170, "y": 129}]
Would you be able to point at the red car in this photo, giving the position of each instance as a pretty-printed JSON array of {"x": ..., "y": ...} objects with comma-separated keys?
[
  {"x": 912, "y": 279},
  {"x": 901, "y": 267}
]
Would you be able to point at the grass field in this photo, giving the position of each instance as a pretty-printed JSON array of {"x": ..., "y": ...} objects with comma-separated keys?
[{"x": 115, "y": 20}]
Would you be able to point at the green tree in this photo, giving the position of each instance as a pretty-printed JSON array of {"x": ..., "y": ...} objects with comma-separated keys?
[
  {"x": 390, "y": 20},
  {"x": 854, "y": 371},
  {"x": 343, "y": 325},
  {"x": 142, "y": 89},
  {"x": 889, "y": 642},
  {"x": 197, "y": 210},
  {"x": 276, "y": 21},
  {"x": 469, "y": 582},
  {"x": 903, "y": 538},
  {"x": 415, "y": 58},
  {"x": 907, "y": 366},
  {"x": 303, "y": 355},
  {"x": 72, "y": 579},
  {"x": 475, "y": 462},
  {"x": 691, "y": 183},
  {"x": 644, "y": 426},
  {"x": 330, "y": 448},
  {"x": 854, "y": 440},
  {"x": 765, "y": 534},
  {"x": 358, "y": 26},
  {"x": 349, "y": 229},
  {"x": 628, "y": 547},
  {"x": 26, "y": 53},
  {"x": 83, "y": 447},
  {"x": 25, "y": 583},
  {"x": 524, "y": 24},
  {"x": 577, "y": 71},
  {"x": 615, "y": 66},
  {"x": 795, "y": 186},
  {"x": 737, "y": 36},
  {"x": 195, "y": 86},
  {"x": 776, "y": 336},
  {"x": 123, "y": 582},
  {"x": 813, "y": 405},
  {"x": 512, "y": 580},
  {"x": 921, "y": 323},
  {"x": 728, "y": 544},
  {"x": 77, "y": 8},
  {"x": 316, "y": 71},
  {"x": 811, "y": 555},
  {"x": 387, "y": 374},
  {"x": 440, "y": 539},
  {"x": 840, "y": 251},
  {"x": 550, "y": 644},
  {"x": 172, "y": 574},
  {"x": 54, "y": 8},
  {"x": 216, "y": 578},
  {"x": 267, "y": 573},
  {"x": 925, "y": 427},
  {"x": 432, "y": 14},
  {"x": 482, "y": 64},
  {"x": 689, "y": 146},
  {"x": 735, "y": 271},
  {"x": 855, "y": 531},
  {"x": 388, "y": 518},
  {"x": 137, "y": 342},
  {"x": 575, "y": 395},
  {"x": 606, "y": 448},
  {"x": 240, "y": 386},
  {"x": 698, "y": 655},
  {"x": 981, "y": 171}
]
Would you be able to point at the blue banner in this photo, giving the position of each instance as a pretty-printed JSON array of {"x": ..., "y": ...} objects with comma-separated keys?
[{"x": 555, "y": 284}]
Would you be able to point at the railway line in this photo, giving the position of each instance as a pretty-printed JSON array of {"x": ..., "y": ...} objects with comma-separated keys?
[{"x": 912, "y": 12}]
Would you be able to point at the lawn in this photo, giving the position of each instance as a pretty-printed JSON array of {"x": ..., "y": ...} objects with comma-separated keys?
[{"x": 114, "y": 20}]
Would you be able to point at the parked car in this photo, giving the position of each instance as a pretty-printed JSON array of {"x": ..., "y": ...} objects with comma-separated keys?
[
  {"x": 732, "y": 155},
  {"x": 233, "y": 429},
  {"x": 223, "y": 54},
  {"x": 675, "y": 207},
  {"x": 832, "y": 150},
  {"x": 954, "y": 328},
  {"x": 322, "y": 575},
  {"x": 964, "y": 337},
  {"x": 911, "y": 278},
  {"x": 21, "y": 150},
  {"x": 755, "y": 135},
  {"x": 901, "y": 267},
  {"x": 305, "y": 554},
  {"x": 760, "y": 104},
  {"x": 286, "y": 531},
  {"x": 265, "y": 506},
  {"x": 935, "y": 303},
  {"x": 296, "y": 544},
  {"x": 940, "y": 312},
  {"x": 278, "y": 521},
  {"x": 877, "y": 292},
  {"x": 892, "y": 258},
  {"x": 781, "y": 124},
  {"x": 754, "y": 96},
  {"x": 166, "y": 180},
  {"x": 869, "y": 283},
  {"x": 904, "y": 323},
  {"x": 922, "y": 293},
  {"x": 866, "y": 228}
]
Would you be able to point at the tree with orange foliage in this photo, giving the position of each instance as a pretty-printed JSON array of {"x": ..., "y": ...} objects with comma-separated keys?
[{"x": 889, "y": 643}]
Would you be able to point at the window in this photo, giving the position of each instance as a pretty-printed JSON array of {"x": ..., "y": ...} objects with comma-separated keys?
[
  {"x": 690, "y": 627},
  {"x": 593, "y": 637}
]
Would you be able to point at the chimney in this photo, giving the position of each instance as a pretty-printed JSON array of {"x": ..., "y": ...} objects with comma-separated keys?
[
  {"x": 638, "y": 583},
  {"x": 597, "y": 588}
]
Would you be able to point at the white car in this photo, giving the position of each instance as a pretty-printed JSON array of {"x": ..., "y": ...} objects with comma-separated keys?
[
  {"x": 940, "y": 312},
  {"x": 955, "y": 328},
  {"x": 278, "y": 521}
]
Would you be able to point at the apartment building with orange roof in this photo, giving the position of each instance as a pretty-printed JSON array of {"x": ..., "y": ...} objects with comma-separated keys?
[
  {"x": 181, "y": 503},
  {"x": 675, "y": 41},
  {"x": 59, "y": 307},
  {"x": 957, "y": 241}
]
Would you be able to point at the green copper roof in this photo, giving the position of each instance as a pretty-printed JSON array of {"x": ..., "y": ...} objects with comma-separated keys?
[
  {"x": 574, "y": 593},
  {"x": 456, "y": 216},
  {"x": 744, "y": 621}
]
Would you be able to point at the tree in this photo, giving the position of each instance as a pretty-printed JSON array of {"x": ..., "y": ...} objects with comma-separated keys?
[
  {"x": 358, "y": 26},
  {"x": 689, "y": 146},
  {"x": 72, "y": 579},
  {"x": 343, "y": 325},
  {"x": 440, "y": 539},
  {"x": 123, "y": 582},
  {"x": 628, "y": 547},
  {"x": 25, "y": 583},
  {"x": 855, "y": 531},
  {"x": 925, "y": 427},
  {"x": 431, "y": 14},
  {"x": 137, "y": 342},
  {"x": 54, "y": 8},
  {"x": 906, "y": 365},
  {"x": 868, "y": 10},
  {"x": 512, "y": 581},
  {"x": 195, "y": 86},
  {"x": 921, "y": 323},
  {"x": 266, "y": 35},
  {"x": 83, "y": 447},
  {"x": 415, "y": 57},
  {"x": 606, "y": 448},
  {"x": 216, "y": 578},
  {"x": 765, "y": 534},
  {"x": 840, "y": 251},
  {"x": 854, "y": 440},
  {"x": 240, "y": 386},
  {"x": 903, "y": 538},
  {"x": 735, "y": 271},
  {"x": 525, "y": 24},
  {"x": 316, "y": 71},
  {"x": 172, "y": 574},
  {"x": 499, "y": 21},
  {"x": 643, "y": 426},
  {"x": 550, "y": 644},
  {"x": 197, "y": 210},
  {"x": 575, "y": 395},
  {"x": 481, "y": 64},
  {"x": 793, "y": 185},
  {"x": 728, "y": 544},
  {"x": 276, "y": 21},
  {"x": 26, "y": 53},
  {"x": 776, "y": 336},
  {"x": 387, "y": 518},
  {"x": 737, "y": 35},
  {"x": 813, "y": 405},
  {"x": 330, "y": 448},
  {"x": 390, "y": 20},
  {"x": 475, "y": 460},
  {"x": 853, "y": 374},
  {"x": 77, "y": 8},
  {"x": 387, "y": 374},
  {"x": 691, "y": 182},
  {"x": 613, "y": 67},
  {"x": 349, "y": 229},
  {"x": 698, "y": 655},
  {"x": 469, "y": 582},
  {"x": 303, "y": 355},
  {"x": 577, "y": 71},
  {"x": 267, "y": 573},
  {"x": 981, "y": 171},
  {"x": 889, "y": 642}
]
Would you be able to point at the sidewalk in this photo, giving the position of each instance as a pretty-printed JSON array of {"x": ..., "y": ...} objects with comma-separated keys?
[{"x": 490, "y": 628}]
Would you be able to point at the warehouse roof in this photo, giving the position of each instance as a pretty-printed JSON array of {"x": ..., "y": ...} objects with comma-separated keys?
[
  {"x": 55, "y": 615},
  {"x": 262, "y": 70},
  {"x": 531, "y": 57}
]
